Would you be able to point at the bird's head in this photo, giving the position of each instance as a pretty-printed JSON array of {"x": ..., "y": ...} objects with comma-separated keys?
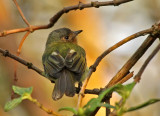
[{"x": 63, "y": 35}]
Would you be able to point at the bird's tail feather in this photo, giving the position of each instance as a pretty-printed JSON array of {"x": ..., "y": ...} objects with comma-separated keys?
[{"x": 64, "y": 85}]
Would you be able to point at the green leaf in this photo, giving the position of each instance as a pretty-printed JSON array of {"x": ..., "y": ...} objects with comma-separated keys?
[
  {"x": 12, "y": 104},
  {"x": 21, "y": 91},
  {"x": 149, "y": 102},
  {"x": 125, "y": 90},
  {"x": 69, "y": 109}
]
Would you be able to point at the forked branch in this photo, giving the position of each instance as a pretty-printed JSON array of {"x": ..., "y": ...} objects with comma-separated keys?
[{"x": 57, "y": 16}]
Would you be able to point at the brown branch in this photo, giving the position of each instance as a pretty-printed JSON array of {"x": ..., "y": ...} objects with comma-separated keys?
[
  {"x": 21, "y": 13},
  {"x": 126, "y": 78},
  {"x": 95, "y": 91},
  {"x": 57, "y": 16},
  {"x": 132, "y": 61},
  {"x": 21, "y": 43},
  {"x": 18, "y": 53},
  {"x": 139, "y": 74},
  {"x": 20, "y": 60},
  {"x": 107, "y": 109}
]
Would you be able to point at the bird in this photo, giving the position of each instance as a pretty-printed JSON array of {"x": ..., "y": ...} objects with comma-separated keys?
[{"x": 64, "y": 62}]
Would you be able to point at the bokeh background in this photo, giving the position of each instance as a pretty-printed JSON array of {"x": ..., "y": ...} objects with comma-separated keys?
[{"x": 102, "y": 28}]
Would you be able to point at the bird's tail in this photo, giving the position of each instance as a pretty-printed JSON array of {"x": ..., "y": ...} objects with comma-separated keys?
[{"x": 64, "y": 85}]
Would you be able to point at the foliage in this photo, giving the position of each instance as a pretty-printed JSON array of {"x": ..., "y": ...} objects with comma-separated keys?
[
  {"x": 25, "y": 93},
  {"x": 123, "y": 90}
]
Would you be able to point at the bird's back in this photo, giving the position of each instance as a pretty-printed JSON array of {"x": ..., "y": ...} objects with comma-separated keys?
[{"x": 64, "y": 64}]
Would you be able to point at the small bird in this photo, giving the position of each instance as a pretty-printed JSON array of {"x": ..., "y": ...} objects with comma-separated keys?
[{"x": 64, "y": 62}]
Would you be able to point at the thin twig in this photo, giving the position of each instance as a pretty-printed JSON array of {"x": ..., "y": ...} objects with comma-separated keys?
[
  {"x": 43, "y": 108},
  {"x": 81, "y": 93},
  {"x": 21, "y": 13},
  {"x": 126, "y": 78},
  {"x": 57, "y": 16},
  {"x": 139, "y": 74},
  {"x": 20, "y": 60},
  {"x": 107, "y": 109},
  {"x": 21, "y": 43},
  {"x": 18, "y": 53},
  {"x": 95, "y": 91}
]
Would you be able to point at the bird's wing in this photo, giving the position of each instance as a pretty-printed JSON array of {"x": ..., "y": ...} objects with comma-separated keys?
[
  {"x": 54, "y": 64},
  {"x": 76, "y": 63}
]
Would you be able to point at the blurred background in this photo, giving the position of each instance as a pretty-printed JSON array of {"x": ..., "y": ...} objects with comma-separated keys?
[{"x": 102, "y": 28}]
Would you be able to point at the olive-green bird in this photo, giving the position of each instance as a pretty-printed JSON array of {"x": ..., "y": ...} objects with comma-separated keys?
[{"x": 64, "y": 61}]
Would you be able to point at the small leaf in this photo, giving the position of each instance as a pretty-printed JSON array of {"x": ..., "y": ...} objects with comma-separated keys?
[
  {"x": 125, "y": 90},
  {"x": 12, "y": 104},
  {"x": 149, "y": 102},
  {"x": 129, "y": 88},
  {"x": 69, "y": 109},
  {"x": 21, "y": 91}
]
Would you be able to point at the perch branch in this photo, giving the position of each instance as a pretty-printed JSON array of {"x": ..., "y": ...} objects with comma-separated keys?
[
  {"x": 28, "y": 64},
  {"x": 57, "y": 16}
]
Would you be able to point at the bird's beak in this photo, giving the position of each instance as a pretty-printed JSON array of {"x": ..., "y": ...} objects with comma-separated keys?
[{"x": 77, "y": 32}]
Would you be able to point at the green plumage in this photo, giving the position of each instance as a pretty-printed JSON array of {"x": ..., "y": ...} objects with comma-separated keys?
[
  {"x": 63, "y": 48},
  {"x": 64, "y": 61}
]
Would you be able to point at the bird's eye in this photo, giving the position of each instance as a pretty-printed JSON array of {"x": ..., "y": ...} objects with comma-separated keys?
[{"x": 67, "y": 37}]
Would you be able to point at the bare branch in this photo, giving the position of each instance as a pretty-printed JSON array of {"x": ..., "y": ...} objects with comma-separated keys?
[
  {"x": 21, "y": 13},
  {"x": 57, "y": 16},
  {"x": 41, "y": 106},
  {"x": 139, "y": 74},
  {"x": 20, "y": 60},
  {"x": 126, "y": 78},
  {"x": 21, "y": 43}
]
